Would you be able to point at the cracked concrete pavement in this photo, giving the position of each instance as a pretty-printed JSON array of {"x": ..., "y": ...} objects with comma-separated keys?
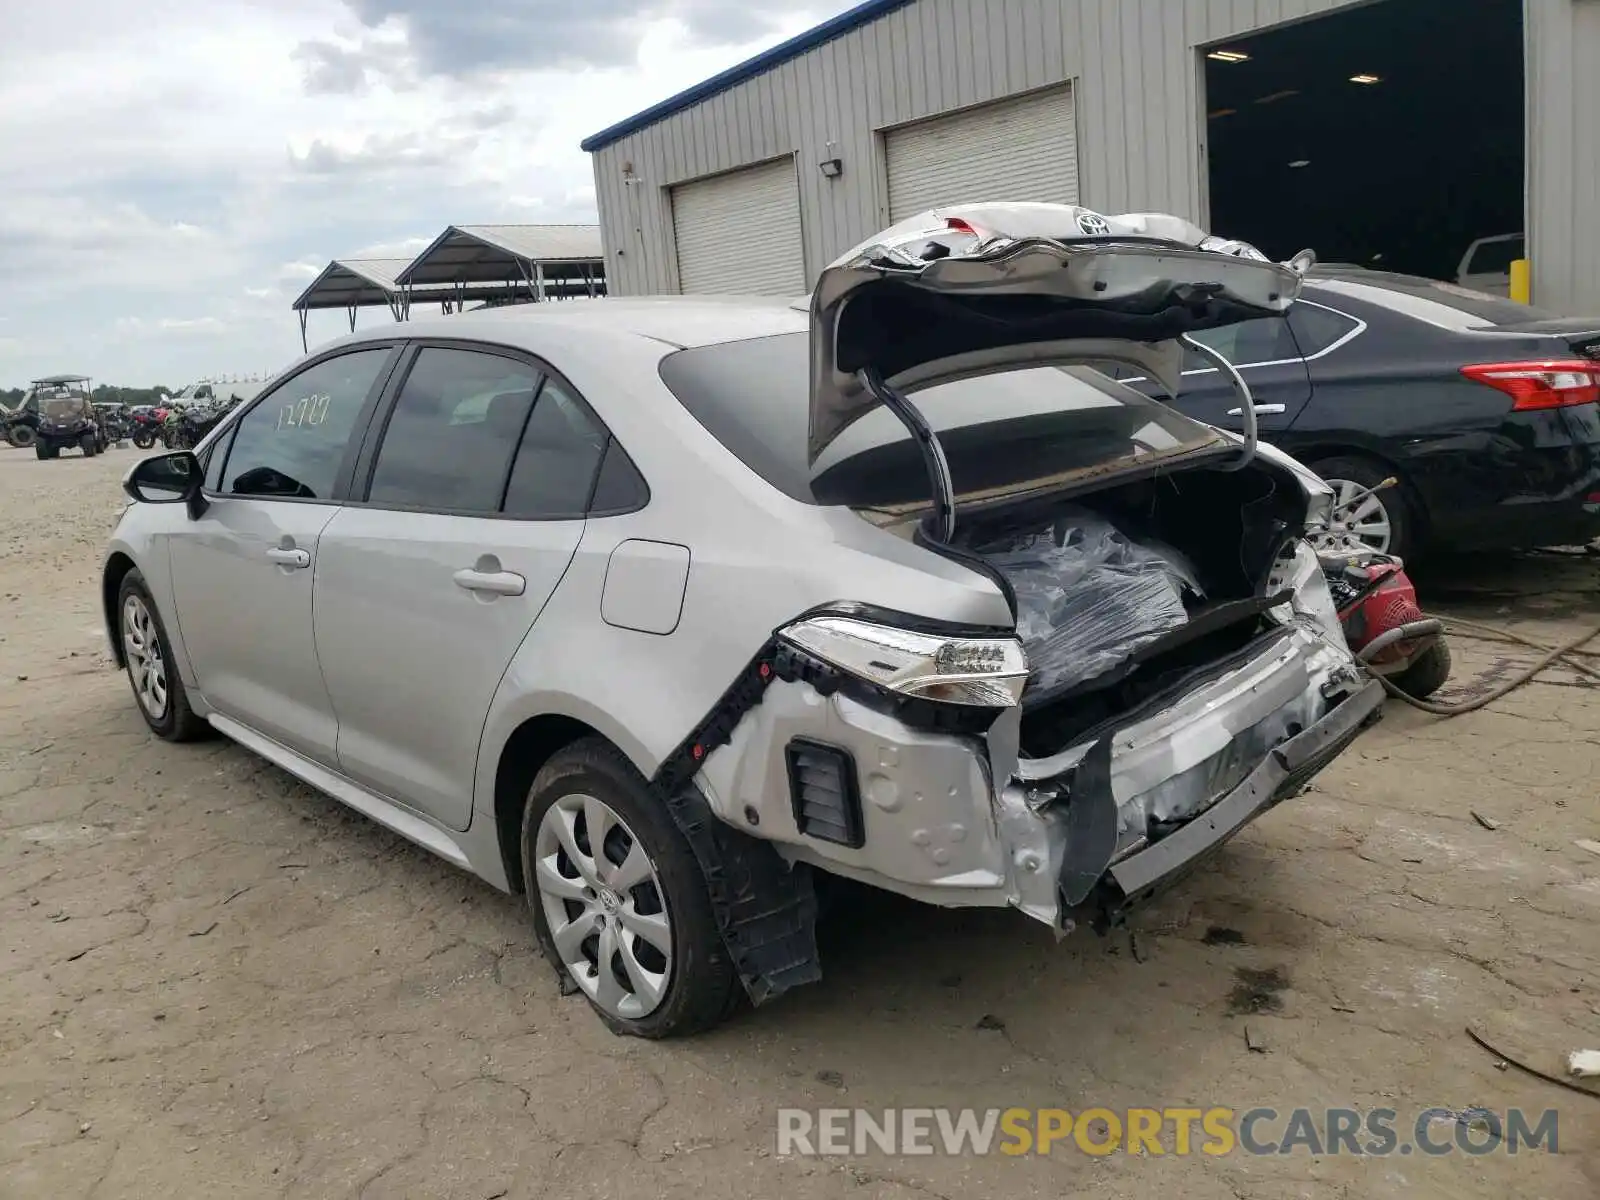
[{"x": 218, "y": 982}]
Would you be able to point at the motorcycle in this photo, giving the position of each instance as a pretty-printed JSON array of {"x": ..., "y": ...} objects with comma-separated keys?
[
  {"x": 145, "y": 424},
  {"x": 186, "y": 427}
]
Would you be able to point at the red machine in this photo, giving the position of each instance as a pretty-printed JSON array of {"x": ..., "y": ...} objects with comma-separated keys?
[
  {"x": 1377, "y": 606},
  {"x": 1384, "y": 627}
]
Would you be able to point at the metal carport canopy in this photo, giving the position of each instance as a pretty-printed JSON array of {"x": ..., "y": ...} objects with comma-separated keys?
[
  {"x": 553, "y": 261},
  {"x": 355, "y": 283}
]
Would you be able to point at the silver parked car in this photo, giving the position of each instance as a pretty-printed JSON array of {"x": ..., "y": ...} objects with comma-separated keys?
[{"x": 650, "y": 609}]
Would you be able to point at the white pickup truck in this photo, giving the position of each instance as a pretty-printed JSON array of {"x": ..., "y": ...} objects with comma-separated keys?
[{"x": 1486, "y": 266}]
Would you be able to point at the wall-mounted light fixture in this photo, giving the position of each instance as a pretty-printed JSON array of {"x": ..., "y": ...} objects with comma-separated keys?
[
  {"x": 831, "y": 167},
  {"x": 1228, "y": 56}
]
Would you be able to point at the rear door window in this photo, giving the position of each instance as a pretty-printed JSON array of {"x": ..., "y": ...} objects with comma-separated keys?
[
  {"x": 1317, "y": 330},
  {"x": 1249, "y": 343},
  {"x": 560, "y": 455},
  {"x": 450, "y": 439}
]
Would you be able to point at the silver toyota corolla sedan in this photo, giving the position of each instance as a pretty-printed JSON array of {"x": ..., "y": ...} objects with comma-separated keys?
[{"x": 651, "y": 609}]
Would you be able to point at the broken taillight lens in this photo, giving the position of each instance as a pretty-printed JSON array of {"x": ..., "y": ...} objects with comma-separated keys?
[{"x": 1550, "y": 383}]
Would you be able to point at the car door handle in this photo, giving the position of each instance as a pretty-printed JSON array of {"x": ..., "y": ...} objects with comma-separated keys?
[
  {"x": 495, "y": 583},
  {"x": 1262, "y": 410},
  {"x": 286, "y": 557}
]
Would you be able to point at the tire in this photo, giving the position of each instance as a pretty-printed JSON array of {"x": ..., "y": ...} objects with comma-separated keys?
[
  {"x": 44, "y": 450},
  {"x": 700, "y": 988},
  {"x": 143, "y": 441},
  {"x": 88, "y": 445},
  {"x": 21, "y": 436},
  {"x": 1397, "y": 507},
  {"x": 1428, "y": 674},
  {"x": 174, "y": 721}
]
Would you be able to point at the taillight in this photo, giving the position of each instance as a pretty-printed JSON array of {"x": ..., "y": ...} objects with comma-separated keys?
[{"x": 1551, "y": 383}]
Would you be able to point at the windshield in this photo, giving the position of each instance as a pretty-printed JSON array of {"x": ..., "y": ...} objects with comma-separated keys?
[
  {"x": 61, "y": 408},
  {"x": 1000, "y": 432}
]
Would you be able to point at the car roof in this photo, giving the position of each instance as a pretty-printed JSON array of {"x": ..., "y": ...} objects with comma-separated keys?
[
  {"x": 1435, "y": 302},
  {"x": 677, "y": 322}
]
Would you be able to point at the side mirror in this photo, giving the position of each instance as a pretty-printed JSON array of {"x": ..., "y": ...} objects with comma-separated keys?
[{"x": 167, "y": 479}]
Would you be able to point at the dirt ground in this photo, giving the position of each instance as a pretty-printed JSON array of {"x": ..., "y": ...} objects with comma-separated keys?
[{"x": 216, "y": 982}]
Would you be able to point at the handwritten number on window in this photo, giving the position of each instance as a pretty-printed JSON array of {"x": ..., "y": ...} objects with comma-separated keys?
[{"x": 307, "y": 412}]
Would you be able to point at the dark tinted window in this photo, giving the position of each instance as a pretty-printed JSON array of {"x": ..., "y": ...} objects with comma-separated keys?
[
  {"x": 561, "y": 450},
  {"x": 448, "y": 443},
  {"x": 620, "y": 488},
  {"x": 1316, "y": 328},
  {"x": 291, "y": 444},
  {"x": 214, "y": 457},
  {"x": 1260, "y": 341},
  {"x": 997, "y": 430}
]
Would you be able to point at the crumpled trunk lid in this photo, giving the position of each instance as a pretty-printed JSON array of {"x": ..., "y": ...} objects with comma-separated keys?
[{"x": 973, "y": 288}]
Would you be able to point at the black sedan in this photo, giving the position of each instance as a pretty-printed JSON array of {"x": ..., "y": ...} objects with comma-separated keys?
[{"x": 1487, "y": 412}]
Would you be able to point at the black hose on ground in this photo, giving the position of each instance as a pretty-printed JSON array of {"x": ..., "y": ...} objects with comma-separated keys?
[{"x": 1564, "y": 653}]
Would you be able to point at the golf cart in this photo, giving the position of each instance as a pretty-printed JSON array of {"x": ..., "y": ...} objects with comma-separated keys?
[{"x": 66, "y": 417}]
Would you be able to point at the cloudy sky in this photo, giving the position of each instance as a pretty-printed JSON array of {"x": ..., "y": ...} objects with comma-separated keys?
[{"x": 176, "y": 171}]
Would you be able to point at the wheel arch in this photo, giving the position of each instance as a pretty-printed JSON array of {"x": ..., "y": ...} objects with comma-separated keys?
[
  {"x": 1324, "y": 448},
  {"x": 532, "y": 744},
  {"x": 116, "y": 570}
]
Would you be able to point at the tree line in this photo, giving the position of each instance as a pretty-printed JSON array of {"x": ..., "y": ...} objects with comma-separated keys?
[{"x": 104, "y": 393}]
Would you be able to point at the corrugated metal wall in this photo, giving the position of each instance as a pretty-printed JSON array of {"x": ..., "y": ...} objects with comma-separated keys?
[
  {"x": 1564, "y": 152},
  {"x": 1136, "y": 81}
]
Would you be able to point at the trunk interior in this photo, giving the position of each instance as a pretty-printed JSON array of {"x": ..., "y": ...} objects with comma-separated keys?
[{"x": 1126, "y": 591}]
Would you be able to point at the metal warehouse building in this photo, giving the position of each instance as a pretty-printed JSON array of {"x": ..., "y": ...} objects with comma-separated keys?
[{"x": 1389, "y": 133}]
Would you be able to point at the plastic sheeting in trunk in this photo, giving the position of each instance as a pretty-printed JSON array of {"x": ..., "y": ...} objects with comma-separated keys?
[{"x": 1089, "y": 596}]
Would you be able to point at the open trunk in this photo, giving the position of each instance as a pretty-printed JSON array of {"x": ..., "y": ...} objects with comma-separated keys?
[{"x": 1124, "y": 591}]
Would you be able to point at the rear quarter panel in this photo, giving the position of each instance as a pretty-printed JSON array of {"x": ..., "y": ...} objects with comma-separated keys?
[{"x": 757, "y": 560}]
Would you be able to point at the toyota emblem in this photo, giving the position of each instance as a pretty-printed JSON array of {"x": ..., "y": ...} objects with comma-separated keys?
[{"x": 1093, "y": 224}]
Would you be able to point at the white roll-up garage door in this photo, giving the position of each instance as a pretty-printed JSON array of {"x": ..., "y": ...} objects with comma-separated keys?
[
  {"x": 740, "y": 232},
  {"x": 1021, "y": 149}
]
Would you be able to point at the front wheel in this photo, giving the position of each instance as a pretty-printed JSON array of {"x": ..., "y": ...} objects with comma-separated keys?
[
  {"x": 144, "y": 441},
  {"x": 617, "y": 898},
  {"x": 21, "y": 436},
  {"x": 147, "y": 651},
  {"x": 44, "y": 450},
  {"x": 89, "y": 446}
]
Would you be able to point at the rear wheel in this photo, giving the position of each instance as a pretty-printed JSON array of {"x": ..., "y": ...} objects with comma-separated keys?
[
  {"x": 617, "y": 898},
  {"x": 1382, "y": 521},
  {"x": 144, "y": 441},
  {"x": 21, "y": 436}
]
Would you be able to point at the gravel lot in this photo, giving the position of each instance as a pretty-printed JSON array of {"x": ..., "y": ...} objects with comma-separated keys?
[{"x": 216, "y": 982}]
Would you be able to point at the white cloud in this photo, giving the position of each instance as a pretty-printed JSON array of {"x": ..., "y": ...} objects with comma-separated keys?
[{"x": 177, "y": 173}]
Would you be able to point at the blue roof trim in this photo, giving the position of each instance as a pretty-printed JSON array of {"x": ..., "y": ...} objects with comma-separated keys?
[{"x": 853, "y": 18}]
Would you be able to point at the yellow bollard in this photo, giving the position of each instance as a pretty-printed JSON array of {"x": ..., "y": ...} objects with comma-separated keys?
[{"x": 1522, "y": 281}]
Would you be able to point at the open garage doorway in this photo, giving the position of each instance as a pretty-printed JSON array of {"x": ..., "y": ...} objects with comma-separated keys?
[{"x": 1388, "y": 135}]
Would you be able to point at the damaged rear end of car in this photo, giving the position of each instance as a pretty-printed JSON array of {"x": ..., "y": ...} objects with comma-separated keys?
[{"x": 1173, "y": 666}]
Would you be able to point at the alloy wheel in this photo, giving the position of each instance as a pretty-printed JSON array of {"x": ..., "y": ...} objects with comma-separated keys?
[
  {"x": 147, "y": 667},
  {"x": 605, "y": 906},
  {"x": 1362, "y": 518}
]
